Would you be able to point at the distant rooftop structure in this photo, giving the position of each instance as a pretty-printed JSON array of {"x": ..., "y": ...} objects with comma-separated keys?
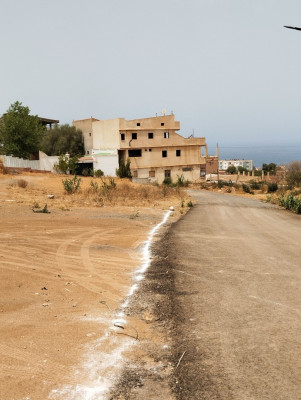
[{"x": 48, "y": 121}]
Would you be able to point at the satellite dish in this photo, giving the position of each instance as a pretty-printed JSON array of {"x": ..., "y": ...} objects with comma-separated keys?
[{"x": 163, "y": 111}]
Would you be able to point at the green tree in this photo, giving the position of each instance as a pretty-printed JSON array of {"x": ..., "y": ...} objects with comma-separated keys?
[
  {"x": 231, "y": 169},
  {"x": 63, "y": 139},
  {"x": 271, "y": 168},
  {"x": 20, "y": 133},
  {"x": 242, "y": 169}
]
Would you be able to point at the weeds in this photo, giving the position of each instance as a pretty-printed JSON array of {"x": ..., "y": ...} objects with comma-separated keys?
[
  {"x": 181, "y": 181},
  {"x": 71, "y": 185},
  {"x": 189, "y": 204},
  {"x": 22, "y": 183},
  {"x": 290, "y": 202},
  {"x": 43, "y": 210}
]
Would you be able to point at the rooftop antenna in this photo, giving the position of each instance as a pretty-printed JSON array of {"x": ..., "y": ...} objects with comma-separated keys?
[{"x": 163, "y": 111}]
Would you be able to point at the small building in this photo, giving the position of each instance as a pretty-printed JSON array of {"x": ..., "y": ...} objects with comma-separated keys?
[
  {"x": 154, "y": 147},
  {"x": 224, "y": 164}
]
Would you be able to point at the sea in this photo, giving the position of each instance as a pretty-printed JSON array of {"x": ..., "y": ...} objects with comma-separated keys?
[{"x": 278, "y": 154}]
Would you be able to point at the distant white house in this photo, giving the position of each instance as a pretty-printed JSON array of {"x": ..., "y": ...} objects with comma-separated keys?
[{"x": 224, "y": 164}]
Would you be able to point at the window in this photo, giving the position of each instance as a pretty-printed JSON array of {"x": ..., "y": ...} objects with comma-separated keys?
[
  {"x": 166, "y": 135},
  {"x": 178, "y": 153},
  {"x": 138, "y": 123},
  {"x": 145, "y": 149},
  {"x": 187, "y": 169},
  {"x": 134, "y": 136},
  {"x": 87, "y": 151},
  {"x": 123, "y": 136},
  {"x": 164, "y": 153},
  {"x": 152, "y": 174},
  {"x": 162, "y": 123},
  {"x": 149, "y": 149},
  {"x": 135, "y": 174},
  {"x": 167, "y": 173},
  {"x": 90, "y": 133},
  {"x": 135, "y": 153},
  {"x": 150, "y": 135}
]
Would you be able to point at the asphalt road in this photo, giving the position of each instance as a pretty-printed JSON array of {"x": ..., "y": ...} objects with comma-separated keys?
[{"x": 237, "y": 269}]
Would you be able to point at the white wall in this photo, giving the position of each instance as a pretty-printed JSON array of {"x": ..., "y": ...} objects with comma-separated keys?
[
  {"x": 107, "y": 163},
  {"x": 47, "y": 162},
  {"x": 15, "y": 162}
]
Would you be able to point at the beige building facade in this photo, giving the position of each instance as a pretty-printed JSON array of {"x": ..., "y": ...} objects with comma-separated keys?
[{"x": 153, "y": 146}]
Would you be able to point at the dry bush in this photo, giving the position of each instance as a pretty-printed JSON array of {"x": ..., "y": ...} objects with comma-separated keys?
[
  {"x": 22, "y": 183},
  {"x": 2, "y": 168}
]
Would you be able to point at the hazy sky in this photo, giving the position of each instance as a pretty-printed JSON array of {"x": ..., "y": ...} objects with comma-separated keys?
[{"x": 226, "y": 68}]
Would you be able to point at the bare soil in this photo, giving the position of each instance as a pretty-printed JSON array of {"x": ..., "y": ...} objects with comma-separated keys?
[{"x": 64, "y": 276}]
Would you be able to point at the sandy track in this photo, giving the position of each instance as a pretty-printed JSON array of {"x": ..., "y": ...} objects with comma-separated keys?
[{"x": 61, "y": 275}]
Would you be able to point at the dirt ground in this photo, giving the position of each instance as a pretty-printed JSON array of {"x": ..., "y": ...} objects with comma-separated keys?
[{"x": 64, "y": 278}]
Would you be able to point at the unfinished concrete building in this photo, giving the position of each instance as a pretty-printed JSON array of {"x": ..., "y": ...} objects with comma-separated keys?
[{"x": 154, "y": 147}]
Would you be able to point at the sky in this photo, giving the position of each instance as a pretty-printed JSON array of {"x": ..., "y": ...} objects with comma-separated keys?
[{"x": 227, "y": 69}]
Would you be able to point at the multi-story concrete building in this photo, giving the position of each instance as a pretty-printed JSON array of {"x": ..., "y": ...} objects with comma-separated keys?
[
  {"x": 224, "y": 164},
  {"x": 153, "y": 146}
]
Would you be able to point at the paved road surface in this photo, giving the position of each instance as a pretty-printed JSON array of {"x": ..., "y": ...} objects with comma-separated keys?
[{"x": 237, "y": 266}]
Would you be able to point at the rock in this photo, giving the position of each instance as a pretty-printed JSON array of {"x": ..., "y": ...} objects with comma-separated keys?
[
  {"x": 171, "y": 208},
  {"x": 50, "y": 196}
]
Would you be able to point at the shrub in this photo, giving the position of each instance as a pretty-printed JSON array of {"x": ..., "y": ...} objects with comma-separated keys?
[
  {"x": 22, "y": 183},
  {"x": 181, "y": 181},
  {"x": 71, "y": 185},
  {"x": 254, "y": 185},
  {"x": 124, "y": 170},
  {"x": 98, "y": 173},
  {"x": 87, "y": 172},
  {"x": 2, "y": 168},
  {"x": 246, "y": 189},
  {"x": 43, "y": 210},
  {"x": 272, "y": 187},
  {"x": 167, "y": 181},
  {"x": 189, "y": 204},
  {"x": 66, "y": 164}
]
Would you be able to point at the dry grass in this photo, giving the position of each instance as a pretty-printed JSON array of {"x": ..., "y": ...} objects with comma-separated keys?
[
  {"x": 126, "y": 193},
  {"x": 101, "y": 194}
]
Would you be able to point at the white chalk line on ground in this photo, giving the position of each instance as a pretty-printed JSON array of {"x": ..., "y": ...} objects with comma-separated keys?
[{"x": 99, "y": 369}]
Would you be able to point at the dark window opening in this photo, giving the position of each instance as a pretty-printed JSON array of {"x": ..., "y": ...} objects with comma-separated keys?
[
  {"x": 134, "y": 136},
  {"x": 87, "y": 151},
  {"x": 149, "y": 149},
  {"x": 150, "y": 135},
  {"x": 90, "y": 133},
  {"x": 178, "y": 153},
  {"x": 135, "y": 153},
  {"x": 167, "y": 173},
  {"x": 162, "y": 123},
  {"x": 164, "y": 153},
  {"x": 123, "y": 136},
  {"x": 187, "y": 169},
  {"x": 135, "y": 174},
  {"x": 152, "y": 174},
  {"x": 166, "y": 135},
  {"x": 145, "y": 150},
  {"x": 138, "y": 123}
]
